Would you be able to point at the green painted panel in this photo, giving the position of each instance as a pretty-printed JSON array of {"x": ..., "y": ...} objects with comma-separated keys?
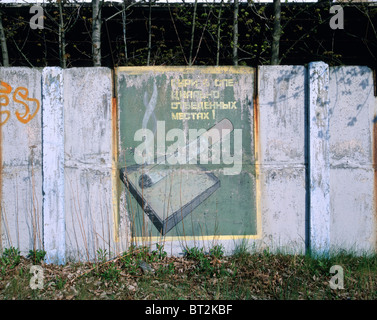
[{"x": 187, "y": 150}]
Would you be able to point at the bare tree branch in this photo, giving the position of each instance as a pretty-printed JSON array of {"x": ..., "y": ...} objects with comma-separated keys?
[
  {"x": 3, "y": 42},
  {"x": 193, "y": 32},
  {"x": 202, "y": 35},
  {"x": 235, "y": 32},
  {"x": 276, "y": 33},
  {"x": 176, "y": 32},
  {"x": 63, "y": 58},
  {"x": 218, "y": 34},
  {"x": 149, "y": 33},
  {"x": 20, "y": 51},
  {"x": 96, "y": 32}
]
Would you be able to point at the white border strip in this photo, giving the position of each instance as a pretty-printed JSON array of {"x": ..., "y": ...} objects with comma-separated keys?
[
  {"x": 319, "y": 163},
  {"x": 53, "y": 165}
]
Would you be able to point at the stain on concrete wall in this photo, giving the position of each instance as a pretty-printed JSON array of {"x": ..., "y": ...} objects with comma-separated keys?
[
  {"x": 87, "y": 162},
  {"x": 352, "y": 186},
  {"x": 282, "y": 157}
]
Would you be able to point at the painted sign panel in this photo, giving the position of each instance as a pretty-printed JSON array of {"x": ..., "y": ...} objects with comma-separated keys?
[{"x": 187, "y": 151}]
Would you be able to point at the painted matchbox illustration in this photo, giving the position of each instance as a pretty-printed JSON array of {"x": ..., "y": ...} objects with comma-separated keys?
[{"x": 166, "y": 208}]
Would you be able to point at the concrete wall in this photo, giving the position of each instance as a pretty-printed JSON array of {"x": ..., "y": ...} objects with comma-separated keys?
[
  {"x": 282, "y": 157},
  {"x": 66, "y": 208},
  {"x": 314, "y": 145},
  {"x": 352, "y": 157},
  {"x": 21, "y": 159}
]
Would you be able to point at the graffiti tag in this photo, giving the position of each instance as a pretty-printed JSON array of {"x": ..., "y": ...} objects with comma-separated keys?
[{"x": 20, "y": 96}]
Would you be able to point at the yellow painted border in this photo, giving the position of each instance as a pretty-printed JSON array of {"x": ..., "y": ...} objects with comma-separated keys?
[
  {"x": 257, "y": 153},
  {"x": 208, "y": 70},
  {"x": 184, "y": 70},
  {"x": 194, "y": 238}
]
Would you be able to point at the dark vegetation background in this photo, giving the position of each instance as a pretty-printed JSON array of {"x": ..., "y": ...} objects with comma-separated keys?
[{"x": 306, "y": 34}]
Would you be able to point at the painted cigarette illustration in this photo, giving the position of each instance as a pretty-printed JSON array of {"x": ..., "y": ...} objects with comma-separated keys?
[{"x": 200, "y": 145}]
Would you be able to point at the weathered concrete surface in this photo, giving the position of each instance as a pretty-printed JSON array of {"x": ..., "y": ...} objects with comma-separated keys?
[
  {"x": 21, "y": 159},
  {"x": 319, "y": 165},
  {"x": 282, "y": 157},
  {"x": 352, "y": 183},
  {"x": 76, "y": 138},
  {"x": 53, "y": 165},
  {"x": 88, "y": 195}
]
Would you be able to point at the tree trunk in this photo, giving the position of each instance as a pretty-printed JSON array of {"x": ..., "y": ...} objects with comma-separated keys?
[
  {"x": 218, "y": 34},
  {"x": 276, "y": 34},
  {"x": 96, "y": 33},
  {"x": 63, "y": 58},
  {"x": 149, "y": 33},
  {"x": 235, "y": 33},
  {"x": 124, "y": 23},
  {"x": 3, "y": 42},
  {"x": 193, "y": 32}
]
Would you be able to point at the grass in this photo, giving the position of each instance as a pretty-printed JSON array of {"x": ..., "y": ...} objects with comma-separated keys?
[{"x": 198, "y": 275}]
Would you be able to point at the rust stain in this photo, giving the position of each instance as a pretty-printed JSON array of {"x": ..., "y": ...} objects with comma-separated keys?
[
  {"x": 257, "y": 153},
  {"x": 115, "y": 182},
  {"x": 375, "y": 174},
  {"x": 256, "y": 118},
  {"x": 256, "y": 126},
  {"x": 114, "y": 128},
  {"x": 5, "y": 89},
  {"x": 1, "y": 188}
]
